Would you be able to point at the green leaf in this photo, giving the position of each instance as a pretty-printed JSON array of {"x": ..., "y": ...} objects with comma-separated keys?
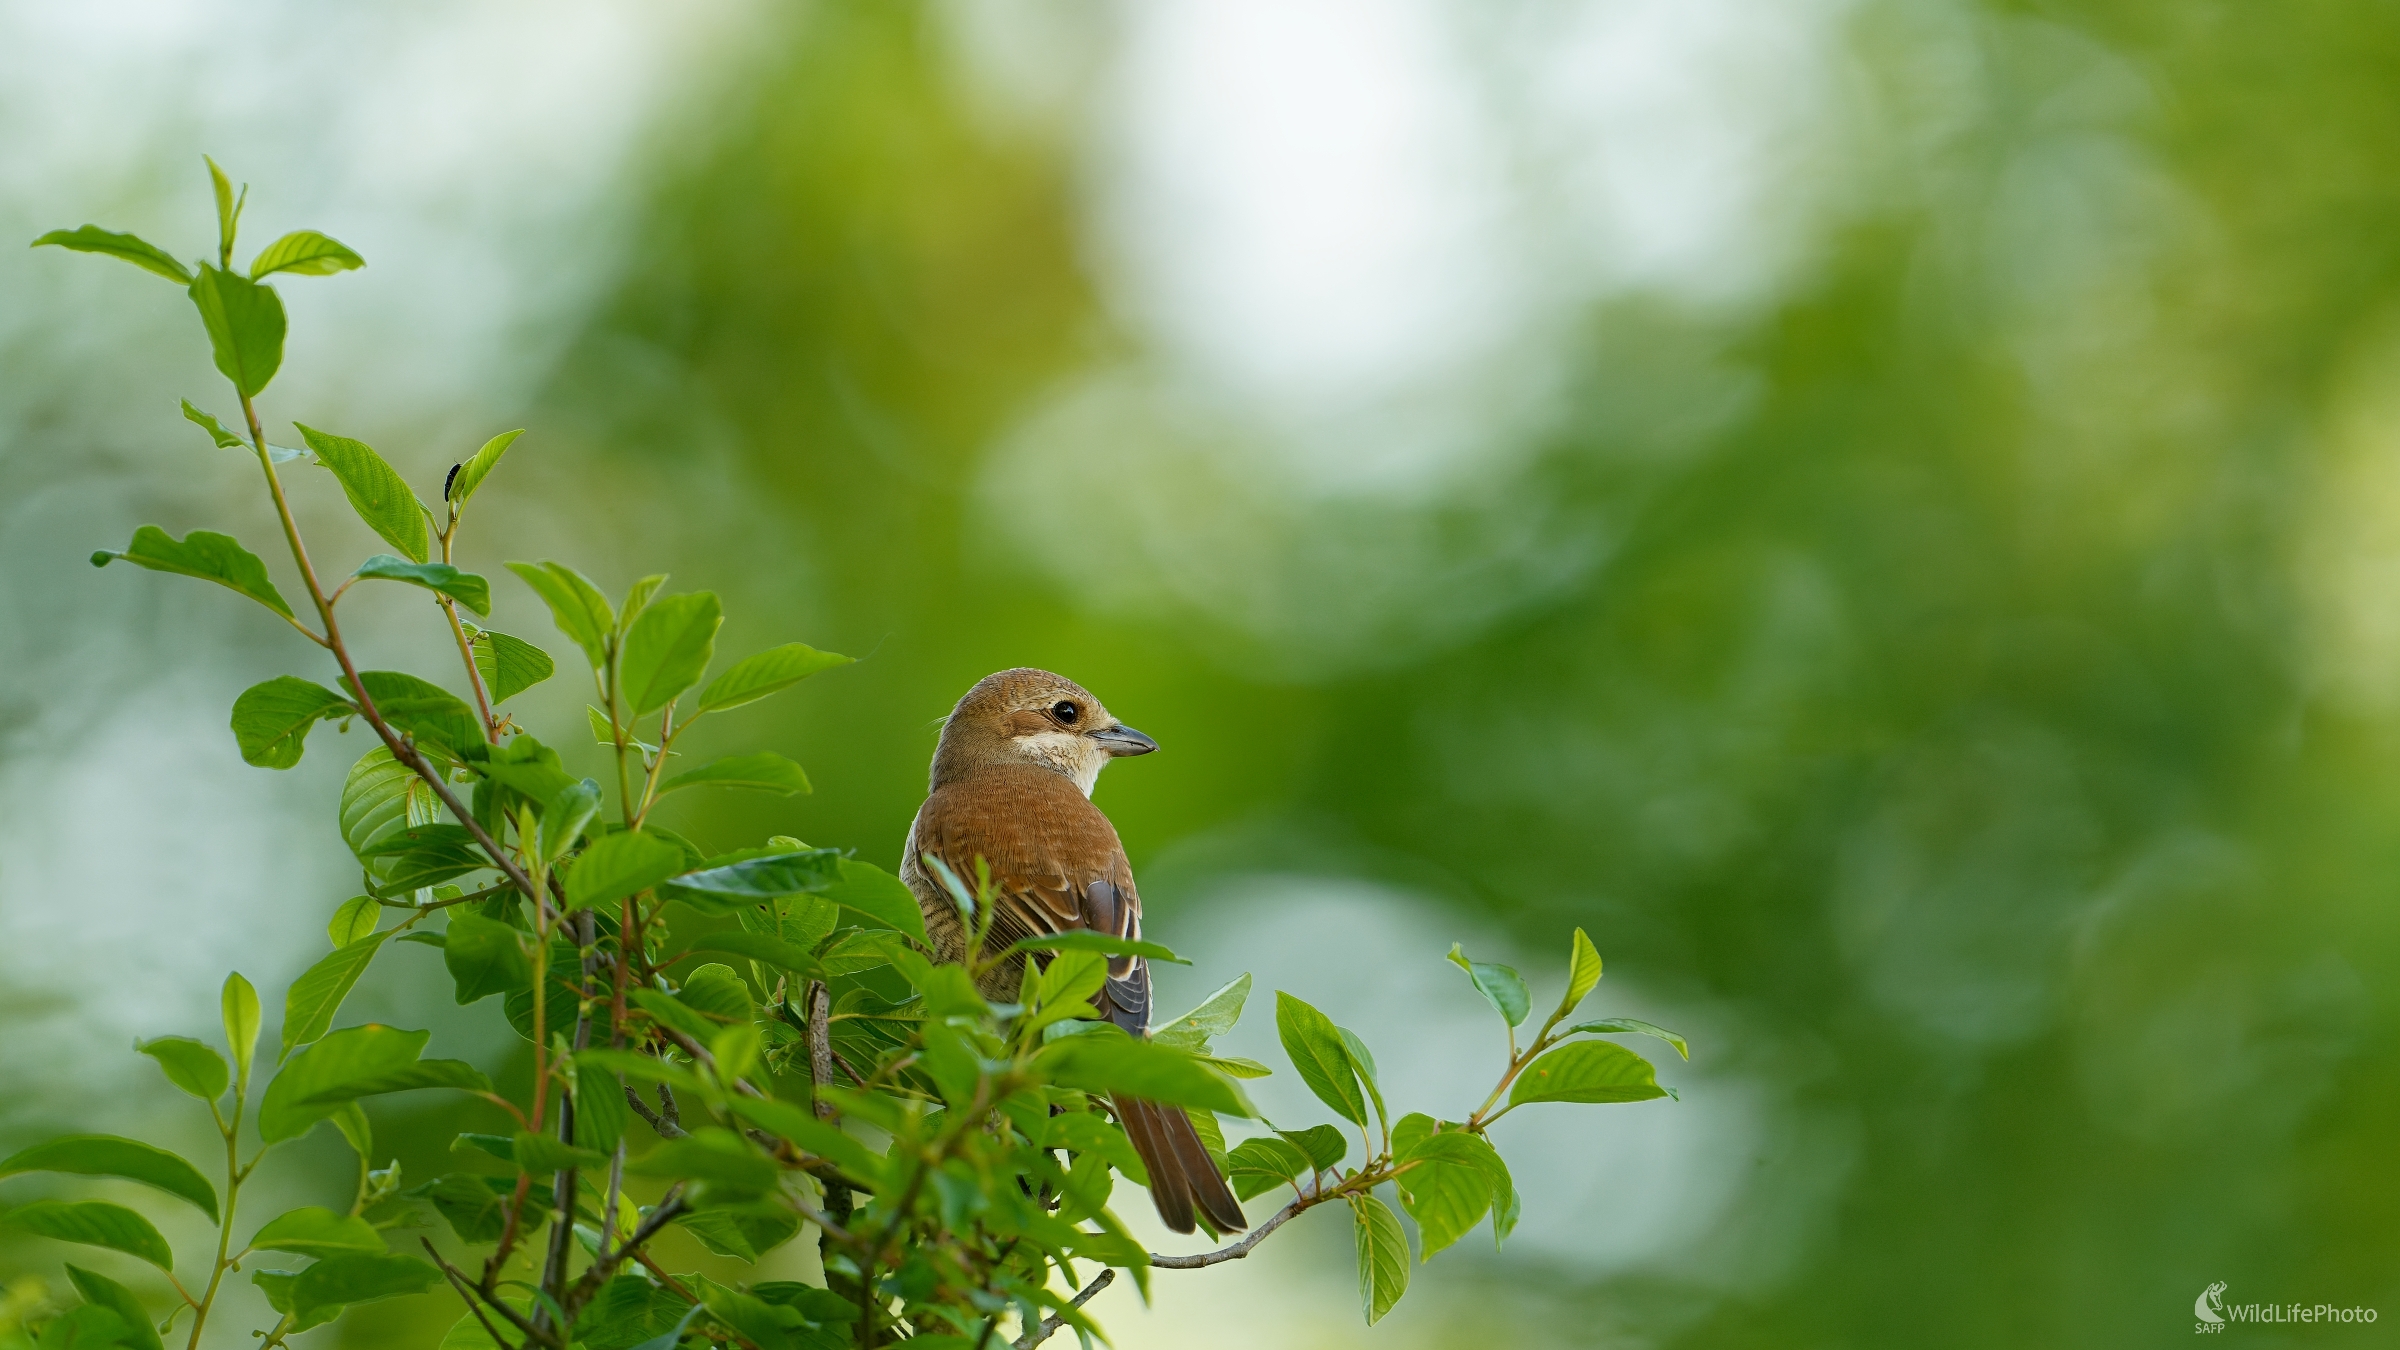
[
  {"x": 1506, "y": 1207},
  {"x": 94, "y": 1223},
  {"x": 245, "y": 327},
  {"x": 1614, "y": 1026},
  {"x": 618, "y": 865},
  {"x": 1215, "y": 1016},
  {"x": 484, "y": 957},
  {"x": 1382, "y": 1257},
  {"x": 359, "y": 1277},
  {"x": 476, "y": 1207},
  {"x": 765, "y": 878},
  {"x": 758, "y": 947},
  {"x": 600, "y": 1115},
  {"x": 425, "y": 711},
  {"x": 761, "y": 1323},
  {"x": 541, "y": 1154},
  {"x": 1586, "y": 1071},
  {"x": 667, "y": 649},
  {"x": 381, "y": 797},
  {"x": 354, "y": 921},
  {"x": 1105, "y": 944},
  {"x": 716, "y": 1230},
  {"x": 1256, "y": 1166},
  {"x": 351, "y": 1055},
  {"x": 356, "y": 1130},
  {"x": 1104, "y": 1063},
  {"x": 315, "y": 1231},
  {"x": 558, "y": 997},
  {"x": 645, "y": 1068},
  {"x": 103, "y": 1292},
  {"x": 709, "y": 1154},
  {"x": 633, "y": 1313},
  {"x": 879, "y": 895},
  {"x": 441, "y": 578},
  {"x": 765, "y": 771},
  {"x": 509, "y": 666},
  {"x": 1315, "y": 1046},
  {"x": 769, "y": 672},
  {"x": 271, "y": 720},
  {"x": 1502, "y": 987},
  {"x": 742, "y": 1232},
  {"x": 217, "y": 431},
  {"x": 816, "y": 1136},
  {"x": 1446, "y": 1186},
  {"x": 229, "y": 207},
  {"x": 376, "y": 490},
  {"x": 471, "y": 474},
  {"x": 637, "y": 599},
  {"x": 424, "y": 855},
  {"x": 565, "y": 817},
  {"x": 1364, "y": 1061},
  {"x": 1583, "y": 972},
  {"x": 525, "y": 765},
  {"x": 85, "y": 1326},
  {"x": 147, "y": 256},
  {"x": 306, "y": 252},
  {"x": 194, "y": 1066},
  {"x": 204, "y": 554},
  {"x": 1069, "y": 980},
  {"x": 108, "y": 1155},
  {"x": 237, "y": 1004},
  {"x": 1325, "y": 1145},
  {"x": 714, "y": 989},
  {"x": 576, "y": 606},
  {"x": 425, "y": 1073}
]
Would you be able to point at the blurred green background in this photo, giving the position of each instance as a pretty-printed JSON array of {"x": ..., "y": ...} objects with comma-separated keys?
[{"x": 1886, "y": 512}]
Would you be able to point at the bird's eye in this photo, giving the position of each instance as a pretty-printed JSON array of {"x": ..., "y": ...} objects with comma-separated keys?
[{"x": 1065, "y": 711}]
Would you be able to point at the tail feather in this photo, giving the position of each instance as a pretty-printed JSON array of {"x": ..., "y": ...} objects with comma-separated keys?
[{"x": 1182, "y": 1174}]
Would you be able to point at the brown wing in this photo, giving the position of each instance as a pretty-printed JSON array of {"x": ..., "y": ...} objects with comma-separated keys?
[{"x": 1055, "y": 862}]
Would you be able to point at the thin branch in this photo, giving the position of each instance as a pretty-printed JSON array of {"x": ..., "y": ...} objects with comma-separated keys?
[
  {"x": 665, "y": 1212},
  {"x": 1054, "y": 1321},
  {"x": 475, "y": 1305},
  {"x": 562, "y": 1233},
  {"x": 659, "y": 1121},
  {"x": 1242, "y": 1248}
]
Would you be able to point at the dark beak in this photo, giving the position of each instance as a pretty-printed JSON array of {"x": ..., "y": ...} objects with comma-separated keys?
[{"x": 1124, "y": 740}]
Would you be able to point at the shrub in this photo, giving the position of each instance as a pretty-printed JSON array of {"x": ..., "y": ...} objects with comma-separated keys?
[{"x": 804, "y": 1074}]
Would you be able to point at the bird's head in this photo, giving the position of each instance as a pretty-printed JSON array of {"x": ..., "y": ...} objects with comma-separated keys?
[{"x": 1027, "y": 716}]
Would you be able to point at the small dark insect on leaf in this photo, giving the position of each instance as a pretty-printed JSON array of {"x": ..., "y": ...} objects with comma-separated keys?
[{"x": 449, "y": 479}]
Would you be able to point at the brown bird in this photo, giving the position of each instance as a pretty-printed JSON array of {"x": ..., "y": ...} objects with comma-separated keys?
[{"x": 1012, "y": 783}]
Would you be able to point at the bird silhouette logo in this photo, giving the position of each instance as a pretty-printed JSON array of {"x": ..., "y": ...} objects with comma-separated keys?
[{"x": 2210, "y": 1306}]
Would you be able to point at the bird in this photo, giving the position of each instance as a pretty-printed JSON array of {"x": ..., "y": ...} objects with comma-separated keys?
[{"x": 1011, "y": 785}]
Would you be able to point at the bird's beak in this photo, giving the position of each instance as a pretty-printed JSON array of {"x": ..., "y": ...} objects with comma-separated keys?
[{"x": 1121, "y": 740}]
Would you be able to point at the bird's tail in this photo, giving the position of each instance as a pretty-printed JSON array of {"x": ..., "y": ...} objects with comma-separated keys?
[{"x": 1182, "y": 1175}]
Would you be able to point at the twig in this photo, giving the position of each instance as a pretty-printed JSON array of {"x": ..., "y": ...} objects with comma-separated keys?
[
  {"x": 666, "y": 1128},
  {"x": 820, "y": 1046},
  {"x": 459, "y": 1282},
  {"x": 1054, "y": 1321},
  {"x": 820, "y": 1075},
  {"x": 665, "y": 1212},
  {"x": 1242, "y": 1248},
  {"x": 562, "y": 1232}
]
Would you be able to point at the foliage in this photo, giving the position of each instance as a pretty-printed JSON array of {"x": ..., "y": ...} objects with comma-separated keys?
[{"x": 828, "y": 1082}]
